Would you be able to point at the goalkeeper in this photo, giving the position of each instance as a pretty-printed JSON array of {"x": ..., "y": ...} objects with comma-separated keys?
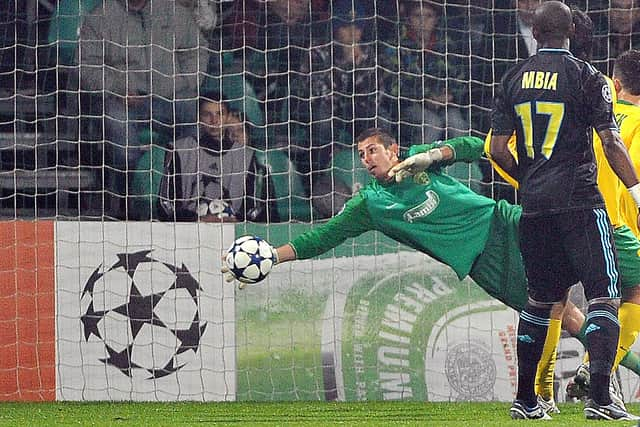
[{"x": 433, "y": 213}]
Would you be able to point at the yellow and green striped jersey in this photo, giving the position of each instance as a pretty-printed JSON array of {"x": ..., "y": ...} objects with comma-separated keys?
[
  {"x": 608, "y": 182},
  {"x": 628, "y": 118}
]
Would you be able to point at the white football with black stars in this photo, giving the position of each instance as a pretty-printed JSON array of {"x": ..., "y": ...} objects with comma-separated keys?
[{"x": 250, "y": 259}]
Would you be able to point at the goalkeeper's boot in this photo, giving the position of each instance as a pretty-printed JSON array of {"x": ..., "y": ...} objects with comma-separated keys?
[
  {"x": 612, "y": 411},
  {"x": 548, "y": 405},
  {"x": 520, "y": 411},
  {"x": 616, "y": 391},
  {"x": 578, "y": 387}
]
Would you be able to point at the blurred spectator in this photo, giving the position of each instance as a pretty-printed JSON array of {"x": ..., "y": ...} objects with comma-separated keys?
[
  {"x": 425, "y": 78},
  {"x": 245, "y": 19},
  {"x": 361, "y": 12},
  {"x": 205, "y": 12},
  {"x": 282, "y": 41},
  {"x": 622, "y": 34},
  {"x": 507, "y": 38},
  {"x": 334, "y": 97},
  {"x": 143, "y": 58},
  {"x": 208, "y": 178},
  {"x": 378, "y": 18},
  {"x": 354, "y": 79},
  {"x": 465, "y": 21}
]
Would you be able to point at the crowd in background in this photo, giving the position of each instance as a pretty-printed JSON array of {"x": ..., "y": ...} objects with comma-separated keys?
[{"x": 290, "y": 81}]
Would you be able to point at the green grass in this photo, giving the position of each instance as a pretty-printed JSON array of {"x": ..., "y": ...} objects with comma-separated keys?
[
  {"x": 290, "y": 414},
  {"x": 279, "y": 350},
  {"x": 298, "y": 375}
]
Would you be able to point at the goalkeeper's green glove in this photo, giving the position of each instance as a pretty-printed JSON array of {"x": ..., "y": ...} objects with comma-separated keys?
[{"x": 415, "y": 164}]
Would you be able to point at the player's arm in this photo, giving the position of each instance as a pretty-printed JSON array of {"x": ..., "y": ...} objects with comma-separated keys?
[
  {"x": 503, "y": 122},
  {"x": 634, "y": 151},
  {"x": 458, "y": 149},
  {"x": 441, "y": 153},
  {"x": 512, "y": 147},
  {"x": 500, "y": 153},
  {"x": 476, "y": 149},
  {"x": 601, "y": 117},
  {"x": 620, "y": 161},
  {"x": 351, "y": 222}
]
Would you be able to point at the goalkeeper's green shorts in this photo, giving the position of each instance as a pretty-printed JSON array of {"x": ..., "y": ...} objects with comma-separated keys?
[{"x": 499, "y": 270}]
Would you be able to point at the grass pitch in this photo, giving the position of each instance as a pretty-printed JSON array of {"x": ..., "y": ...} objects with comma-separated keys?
[{"x": 285, "y": 414}]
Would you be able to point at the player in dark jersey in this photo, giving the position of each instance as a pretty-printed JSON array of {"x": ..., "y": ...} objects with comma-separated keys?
[
  {"x": 627, "y": 245},
  {"x": 552, "y": 100}
]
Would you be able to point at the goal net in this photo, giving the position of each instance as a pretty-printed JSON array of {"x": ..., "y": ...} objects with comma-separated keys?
[{"x": 110, "y": 286}]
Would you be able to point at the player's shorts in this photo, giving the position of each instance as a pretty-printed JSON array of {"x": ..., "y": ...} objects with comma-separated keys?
[
  {"x": 628, "y": 248},
  {"x": 499, "y": 269},
  {"x": 559, "y": 250}
]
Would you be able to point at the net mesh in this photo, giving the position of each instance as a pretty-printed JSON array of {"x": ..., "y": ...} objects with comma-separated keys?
[
  {"x": 85, "y": 125},
  {"x": 96, "y": 120}
]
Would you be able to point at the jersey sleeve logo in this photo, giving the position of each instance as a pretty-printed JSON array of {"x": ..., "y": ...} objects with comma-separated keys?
[{"x": 606, "y": 94}]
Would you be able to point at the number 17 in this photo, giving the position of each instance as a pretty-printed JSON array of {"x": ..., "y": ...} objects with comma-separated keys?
[{"x": 555, "y": 111}]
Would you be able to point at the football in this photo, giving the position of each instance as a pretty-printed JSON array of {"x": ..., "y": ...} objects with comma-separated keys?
[{"x": 250, "y": 259}]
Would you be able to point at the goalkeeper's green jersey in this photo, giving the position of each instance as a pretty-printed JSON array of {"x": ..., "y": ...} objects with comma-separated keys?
[{"x": 430, "y": 212}]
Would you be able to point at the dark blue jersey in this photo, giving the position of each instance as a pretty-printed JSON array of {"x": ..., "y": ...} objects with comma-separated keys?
[{"x": 553, "y": 101}]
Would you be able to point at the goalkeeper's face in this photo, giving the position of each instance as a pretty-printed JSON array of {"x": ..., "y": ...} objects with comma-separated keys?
[{"x": 377, "y": 158}]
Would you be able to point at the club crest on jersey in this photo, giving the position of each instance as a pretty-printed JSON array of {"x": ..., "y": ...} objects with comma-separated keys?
[
  {"x": 606, "y": 94},
  {"x": 424, "y": 208},
  {"x": 421, "y": 178}
]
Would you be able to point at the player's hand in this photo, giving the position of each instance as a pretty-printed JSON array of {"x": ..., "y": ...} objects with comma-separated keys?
[
  {"x": 228, "y": 275},
  {"x": 415, "y": 164}
]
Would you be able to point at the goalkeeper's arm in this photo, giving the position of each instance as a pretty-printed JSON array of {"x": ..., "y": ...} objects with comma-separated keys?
[
  {"x": 352, "y": 221},
  {"x": 442, "y": 153},
  {"x": 420, "y": 162},
  {"x": 286, "y": 253},
  {"x": 465, "y": 149}
]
